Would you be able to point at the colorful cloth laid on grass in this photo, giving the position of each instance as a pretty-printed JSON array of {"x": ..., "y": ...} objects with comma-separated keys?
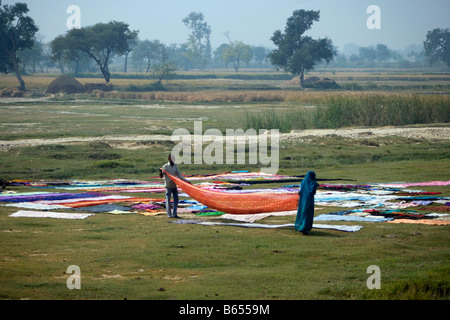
[
  {"x": 98, "y": 202},
  {"x": 9, "y": 193},
  {"x": 207, "y": 212},
  {"x": 344, "y": 228},
  {"x": 438, "y": 208},
  {"x": 390, "y": 200},
  {"x": 242, "y": 175},
  {"x": 332, "y": 217},
  {"x": 108, "y": 208},
  {"x": 153, "y": 213},
  {"x": 36, "y": 206},
  {"x": 66, "y": 202},
  {"x": 46, "y": 214},
  {"x": 48, "y": 196},
  {"x": 435, "y": 222},
  {"x": 147, "y": 206},
  {"x": 417, "y": 184},
  {"x": 250, "y": 218}
]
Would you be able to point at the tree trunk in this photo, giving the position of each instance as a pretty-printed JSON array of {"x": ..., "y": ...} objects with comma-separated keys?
[
  {"x": 106, "y": 74},
  {"x": 102, "y": 65},
  {"x": 236, "y": 65},
  {"x": 302, "y": 77},
  {"x": 77, "y": 66},
  {"x": 126, "y": 63},
  {"x": 17, "y": 72}
]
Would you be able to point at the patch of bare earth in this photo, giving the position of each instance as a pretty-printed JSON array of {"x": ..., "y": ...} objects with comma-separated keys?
[{"x": 143, "y": 141}]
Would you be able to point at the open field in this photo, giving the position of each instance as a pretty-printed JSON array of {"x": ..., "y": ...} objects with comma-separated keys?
[
  {"x": 109, "y": 136},
  {"x": 424, "y": 80}
]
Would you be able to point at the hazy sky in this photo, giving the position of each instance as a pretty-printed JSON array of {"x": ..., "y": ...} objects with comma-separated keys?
[{"x": 403, "y": 22}]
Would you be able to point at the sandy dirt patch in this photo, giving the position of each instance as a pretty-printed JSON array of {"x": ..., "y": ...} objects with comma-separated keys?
[{"x": 135, "y": 141}]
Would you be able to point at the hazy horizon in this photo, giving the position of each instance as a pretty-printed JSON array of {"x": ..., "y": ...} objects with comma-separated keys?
[{"x": 403, "y": 22}]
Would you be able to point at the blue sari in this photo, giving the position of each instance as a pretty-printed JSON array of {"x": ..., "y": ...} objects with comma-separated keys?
[{"x": 305, "y": 212}]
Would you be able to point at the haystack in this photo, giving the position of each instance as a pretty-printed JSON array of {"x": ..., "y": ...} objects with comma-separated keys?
[
  {"x": 296, "y": 81},
  {"x": 66, "y": 84},
  {"x": 326, "y": 83},
  {"x": 11, "y": 93}
]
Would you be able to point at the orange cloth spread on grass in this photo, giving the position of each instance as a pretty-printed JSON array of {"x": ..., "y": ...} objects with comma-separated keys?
[
  {"x": 88, "y": 203},
  {"x": 238, "y": 203},
  {"x": 422, "y": 221}
]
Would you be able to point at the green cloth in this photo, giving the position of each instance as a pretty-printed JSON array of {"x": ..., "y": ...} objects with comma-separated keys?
[
  {"x": 212, "y": 213},
  {"x": 305, "y": 212}
]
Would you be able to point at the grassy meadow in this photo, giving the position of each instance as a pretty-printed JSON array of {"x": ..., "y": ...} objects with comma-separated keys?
[{"x": 139, "y": 257}]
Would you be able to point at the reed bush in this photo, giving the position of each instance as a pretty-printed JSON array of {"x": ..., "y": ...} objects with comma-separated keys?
[
  {"x": 199, "y": 96},
  {"x": 355, "y": 109}
]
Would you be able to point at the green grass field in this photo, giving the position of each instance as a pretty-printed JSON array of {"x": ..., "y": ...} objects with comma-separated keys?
[{"x": 140, "y": 257}]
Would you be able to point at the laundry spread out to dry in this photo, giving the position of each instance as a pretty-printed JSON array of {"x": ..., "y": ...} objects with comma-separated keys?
[{"x": 232, "y": 196}]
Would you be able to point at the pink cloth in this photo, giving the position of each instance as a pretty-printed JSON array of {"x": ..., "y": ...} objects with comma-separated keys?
[
  {"x": 419, "y": 184},
  {"x": 146, "y": 206}
]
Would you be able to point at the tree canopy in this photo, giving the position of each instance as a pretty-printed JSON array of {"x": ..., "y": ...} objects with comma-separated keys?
[
  {"x": 437, "y": 46},
  {"x": 17, "y": 32},
  {"x": 198, "y": 44},
  {"x": 100, "y": 42},
  {"x": 235, "y": 52},
  {"x": 148, "y": 53},
  {"x": 296, "y": 52}
]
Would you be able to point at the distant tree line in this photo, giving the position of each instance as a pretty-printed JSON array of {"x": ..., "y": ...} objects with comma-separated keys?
[
  {"x": 95, "y": 48},
  {"x": 380, "y": 56}
]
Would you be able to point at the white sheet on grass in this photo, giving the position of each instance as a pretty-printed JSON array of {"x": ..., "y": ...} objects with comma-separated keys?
[
  {"x": 54, "y": 215},
  {"x": 36, "y": 206},
  {"x": 345, "y": 228},
  {"x": 289, "y": 225}
]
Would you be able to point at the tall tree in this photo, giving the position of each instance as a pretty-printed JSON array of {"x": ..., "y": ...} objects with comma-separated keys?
[
  {"x": 31, "y": 57},
  {"x": 163, "y": 71},
  {"x": 199, "y": 44},
  {"x": 296, "y": 52},
  {"x": 132, "y": 44},
  {"x": 437, "y": 46},
  {"x": 148, "y": 53},
  {"x": 100, "y": 42},
  {"x": 383, "y": 52},
  {"x": 236, "y": 52},
  {"x": 178, "y": 55},
  {"x": 260, "y": 54},
  {"x": 63, "y": 53},
  {"x": 218, "y": 54},
  {"x": 367, "y": 54},
  {"x": 17, "y": 32}
]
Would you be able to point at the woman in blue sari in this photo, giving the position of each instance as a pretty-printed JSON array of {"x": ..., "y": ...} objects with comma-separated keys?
[{"x": 305, "y": 212}]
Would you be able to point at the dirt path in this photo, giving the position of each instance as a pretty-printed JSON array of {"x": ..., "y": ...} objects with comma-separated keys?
[
  {"x": 428, "y": 133},
  {"x": 132, "y": 141}
]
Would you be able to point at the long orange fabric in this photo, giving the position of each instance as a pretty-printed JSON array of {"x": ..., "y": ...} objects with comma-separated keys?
[
  {"x": 237, "y": 203},
  {"x": 88, "y": 203}
]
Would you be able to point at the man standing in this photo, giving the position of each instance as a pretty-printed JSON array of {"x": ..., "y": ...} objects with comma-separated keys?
[{"x": 171, "y": 187}]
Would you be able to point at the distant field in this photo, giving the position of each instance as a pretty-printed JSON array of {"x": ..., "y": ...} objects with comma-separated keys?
[{"x": 357, "y": 79}]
